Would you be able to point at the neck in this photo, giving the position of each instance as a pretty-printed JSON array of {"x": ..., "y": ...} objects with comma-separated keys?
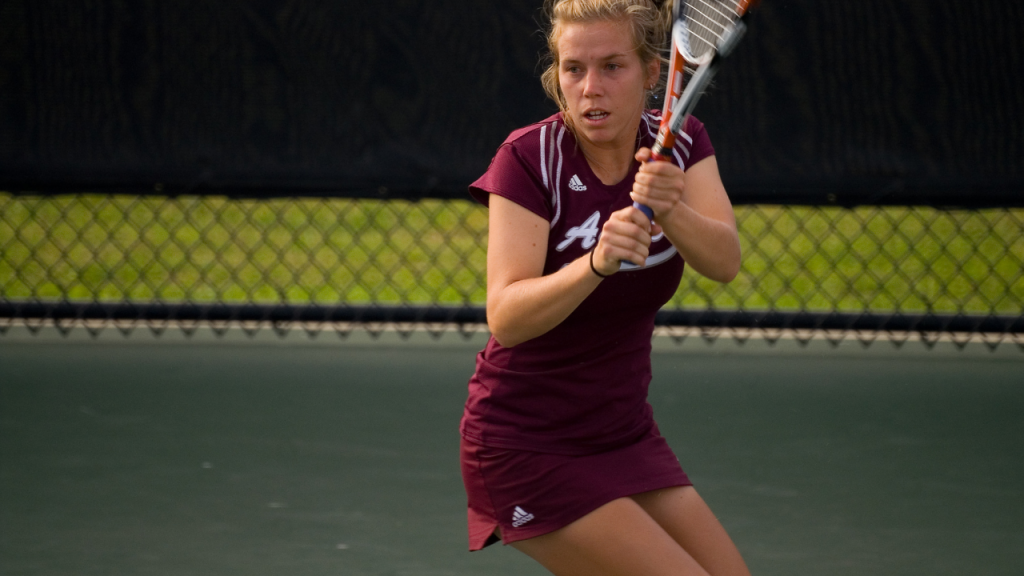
[{"x": 609, "y": 162}]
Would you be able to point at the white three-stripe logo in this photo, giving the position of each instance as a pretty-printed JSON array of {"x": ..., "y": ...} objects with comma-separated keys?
[
  {"x": 576, "y": 184},
  {"x": 520, "y": 517}
]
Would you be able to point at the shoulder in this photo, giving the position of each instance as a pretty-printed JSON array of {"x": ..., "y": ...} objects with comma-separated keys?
[
  {"x": 651, "y": 120},
  {"x": 522, "y": 168},
  {"x": 697, "y": 140},
  {"x": 528, "y": 141},
  {"x": 692, "y": 143},
  {"x": 532, "y": 147}
]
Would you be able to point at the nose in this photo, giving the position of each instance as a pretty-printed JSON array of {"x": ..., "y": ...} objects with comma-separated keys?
[{"x": 592, "y": 82}]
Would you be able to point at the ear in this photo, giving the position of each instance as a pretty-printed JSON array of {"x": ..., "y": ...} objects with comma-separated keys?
[{"x": 653, "y": 72}]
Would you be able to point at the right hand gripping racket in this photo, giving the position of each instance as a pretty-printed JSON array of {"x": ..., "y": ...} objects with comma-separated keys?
[{"x": 703, "y": 33}]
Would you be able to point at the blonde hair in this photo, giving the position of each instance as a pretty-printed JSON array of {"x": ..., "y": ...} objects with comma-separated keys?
[{"x": 648, "y": 20}]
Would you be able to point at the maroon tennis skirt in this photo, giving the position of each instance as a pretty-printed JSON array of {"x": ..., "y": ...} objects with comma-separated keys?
[{"x": 527, "y": 494}]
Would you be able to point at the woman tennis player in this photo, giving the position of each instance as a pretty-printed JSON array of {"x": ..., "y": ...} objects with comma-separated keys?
[{"x": 560, "y": 454}]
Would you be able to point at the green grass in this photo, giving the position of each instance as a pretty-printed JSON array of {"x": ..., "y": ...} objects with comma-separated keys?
[{"x": 328, "y": 251}]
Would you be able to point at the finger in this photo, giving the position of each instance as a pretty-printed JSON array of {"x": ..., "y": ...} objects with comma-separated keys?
[
  {"x": 640, "y": 219},
  {"x": 645, "y": 194},
  {"x": 660, "y": 169},
  {"x": 644, "y": 176},
  {"x": 636, "y": 218},
  {"x": 605, "y": 265},
  {"x": 622, "y": 240},
  {"x": 643, "y": 155},
  {"x": 632, "y": 215},
  {"x": 621, "y": 214},
  {"x": 632, "y": 224},
  {"x": 621, "y": 232},
  {"x": 651, "y": 200},
  {"x": 609, "y": 254}
]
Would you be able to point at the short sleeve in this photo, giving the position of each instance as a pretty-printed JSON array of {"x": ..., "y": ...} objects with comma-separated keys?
[
  {"x": 700, "y": 147},
  {"x": 510, "y": 176}
]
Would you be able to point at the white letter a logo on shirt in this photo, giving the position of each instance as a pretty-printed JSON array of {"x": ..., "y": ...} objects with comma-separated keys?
[{"x": 587, "y": 232}]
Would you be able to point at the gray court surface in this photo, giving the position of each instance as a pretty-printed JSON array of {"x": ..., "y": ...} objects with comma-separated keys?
[{"x": 201, "y": 457}]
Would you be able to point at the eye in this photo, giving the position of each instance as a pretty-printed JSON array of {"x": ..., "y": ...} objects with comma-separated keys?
[
  {"x": 613, "y": 66},
  {"x": 571, "y": 69}
]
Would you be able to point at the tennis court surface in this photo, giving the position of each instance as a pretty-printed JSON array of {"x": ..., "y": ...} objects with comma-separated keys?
[{"x": 140, "y": 456}]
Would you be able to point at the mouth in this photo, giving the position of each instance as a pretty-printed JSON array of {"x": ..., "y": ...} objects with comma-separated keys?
[{"x": 595, "y": 115}]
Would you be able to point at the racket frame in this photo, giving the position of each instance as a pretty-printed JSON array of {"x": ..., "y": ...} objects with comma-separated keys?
[{"x": 678, "y": 107}]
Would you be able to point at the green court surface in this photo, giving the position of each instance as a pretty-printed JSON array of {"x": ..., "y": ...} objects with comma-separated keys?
[{"x": 154, "y": 458}]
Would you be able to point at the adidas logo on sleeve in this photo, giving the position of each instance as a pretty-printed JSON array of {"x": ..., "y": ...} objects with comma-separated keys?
[
  {"x": 520, "y": 517},
  {"x": 576, "y": 184}
]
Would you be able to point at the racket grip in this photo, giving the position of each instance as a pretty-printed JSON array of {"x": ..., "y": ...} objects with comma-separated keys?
[
  {"x": 647, "y": 211},
  {"x": 656, "y": 156}
]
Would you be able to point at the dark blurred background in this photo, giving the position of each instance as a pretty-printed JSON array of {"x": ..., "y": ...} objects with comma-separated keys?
[{"x": 869, "y": 102}]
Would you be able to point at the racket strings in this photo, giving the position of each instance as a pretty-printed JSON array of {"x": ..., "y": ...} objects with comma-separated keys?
[{"x": 707, "y": 21}]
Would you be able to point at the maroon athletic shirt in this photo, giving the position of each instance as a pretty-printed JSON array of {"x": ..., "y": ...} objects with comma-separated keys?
[{"x": 581, "y": 387}]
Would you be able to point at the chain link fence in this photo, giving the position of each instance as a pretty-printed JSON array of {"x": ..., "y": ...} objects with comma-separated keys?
[{"x": 102, "y": 261}]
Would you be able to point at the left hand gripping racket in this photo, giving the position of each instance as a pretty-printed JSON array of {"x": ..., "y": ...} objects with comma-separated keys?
[{"x": 704, "y": 32}]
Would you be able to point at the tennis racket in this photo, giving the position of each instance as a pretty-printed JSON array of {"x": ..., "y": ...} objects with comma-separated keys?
[{"x": 704, "y": 32}]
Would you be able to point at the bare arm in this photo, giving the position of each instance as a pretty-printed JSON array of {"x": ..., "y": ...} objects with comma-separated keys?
[
  {"x": 694, "y": 212},
  {"x": 521, "y": 303}
]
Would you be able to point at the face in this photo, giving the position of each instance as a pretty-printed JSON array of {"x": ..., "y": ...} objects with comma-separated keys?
[{"x": 603, "y": 81}]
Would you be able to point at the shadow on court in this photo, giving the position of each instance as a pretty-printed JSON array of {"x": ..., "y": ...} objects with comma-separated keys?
[{"x": 198, "y": 458}]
